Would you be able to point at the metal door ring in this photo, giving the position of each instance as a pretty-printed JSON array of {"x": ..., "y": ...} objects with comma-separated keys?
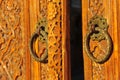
[
  {"x": 109, "y": 47},
  {"x": 97, "y": 31},
  {"x": 32, "y": 52}
]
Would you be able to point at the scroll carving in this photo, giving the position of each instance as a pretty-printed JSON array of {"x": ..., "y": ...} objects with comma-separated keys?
[
  {"x": 11, "y": 35},
  {"x": 96, "y": 7}
]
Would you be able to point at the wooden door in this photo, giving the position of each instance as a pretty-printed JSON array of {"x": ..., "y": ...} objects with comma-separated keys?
[
  {"x": 109, "y": 9},
  {"x": 14, "y": 36},
  {"x": 18, "y": 19}
]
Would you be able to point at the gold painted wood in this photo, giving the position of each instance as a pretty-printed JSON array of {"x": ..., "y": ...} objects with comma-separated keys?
[{"x": 110, "y": 10}]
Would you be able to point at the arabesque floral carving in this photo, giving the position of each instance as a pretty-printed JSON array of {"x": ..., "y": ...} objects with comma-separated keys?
[{"x": 11, "y": 34}]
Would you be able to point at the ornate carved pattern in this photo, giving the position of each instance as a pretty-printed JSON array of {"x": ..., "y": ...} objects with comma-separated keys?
[
  {"x": 43, "y": 8},
  {"x": 98, "y": 72},
  {"x": 54, "y": 40},
  {"x": 52, "y": 10},
  {"x": 43, "y": 13},
  {"x": 96, "y": 7},
  {"x": 11, "y": 35}
]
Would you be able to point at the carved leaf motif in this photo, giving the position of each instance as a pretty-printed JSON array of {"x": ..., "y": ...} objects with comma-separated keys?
[
  {"x": 96, "y": 7},
  {"x": 11, "y": 35},
  {"x": 52, "y": 10}
]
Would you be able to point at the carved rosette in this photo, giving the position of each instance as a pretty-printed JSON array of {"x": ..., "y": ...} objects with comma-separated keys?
[
  {"x": 96, "y": 7},
  {"x": 12, "y": 57}
]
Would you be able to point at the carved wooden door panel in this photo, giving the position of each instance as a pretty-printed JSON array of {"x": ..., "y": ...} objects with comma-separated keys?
[
  {"x": 13, "y": 41},
  {"x": 18, "y": 19},
  {"x": 54, "y": 11},
  {"x": 108, "y": 69}
]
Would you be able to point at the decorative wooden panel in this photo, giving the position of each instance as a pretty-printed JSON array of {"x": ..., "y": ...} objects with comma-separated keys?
[
  {"x": 58, "y": 54},
  {"x": 57, "y": 44},
  {"x": 12, "y": 52},
  {"x": 96, "y": 7},
  {"x": 108, "y": 9},
  {"x": 17, "y": 21},
  {"x": 55, "y": 40}
]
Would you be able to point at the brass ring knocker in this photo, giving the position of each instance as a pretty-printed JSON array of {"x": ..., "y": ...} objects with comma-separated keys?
[
  {"x": 40, "y": 33},
  {"x": 109, "y": 48},
  {"x": 100, "y": 26}
]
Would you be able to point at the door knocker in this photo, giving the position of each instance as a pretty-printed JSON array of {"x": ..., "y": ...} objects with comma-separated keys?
[
  {"x": 97, "y": 31},
  {"x": 41, "y": 33}
]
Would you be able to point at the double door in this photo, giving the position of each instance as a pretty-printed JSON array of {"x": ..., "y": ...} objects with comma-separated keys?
[{"x": 19, "y": 21}]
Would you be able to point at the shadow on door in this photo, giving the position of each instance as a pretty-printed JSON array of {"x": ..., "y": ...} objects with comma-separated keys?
[{"x": 77, "y": 69}]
